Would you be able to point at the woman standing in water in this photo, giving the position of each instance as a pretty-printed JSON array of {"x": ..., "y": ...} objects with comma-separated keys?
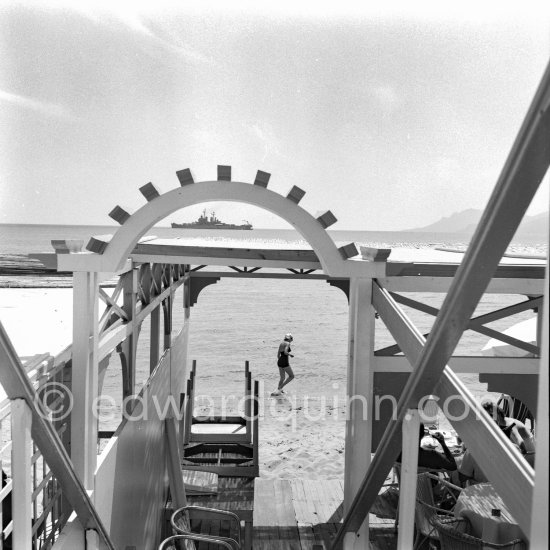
[{"x": 285, "y": 370}]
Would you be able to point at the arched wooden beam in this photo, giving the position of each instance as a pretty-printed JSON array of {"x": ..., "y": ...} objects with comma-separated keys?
[{"x": 122, "y": 243}]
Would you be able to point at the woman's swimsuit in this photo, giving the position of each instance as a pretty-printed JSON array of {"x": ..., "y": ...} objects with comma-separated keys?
[{"x": 282, "y": 362}]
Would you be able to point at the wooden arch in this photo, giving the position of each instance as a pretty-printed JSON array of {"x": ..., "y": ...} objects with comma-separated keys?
[{"x": 134, "y": 226}]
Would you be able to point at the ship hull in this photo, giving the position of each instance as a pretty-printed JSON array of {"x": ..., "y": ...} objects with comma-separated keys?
[{"x": 197, "y": 226}]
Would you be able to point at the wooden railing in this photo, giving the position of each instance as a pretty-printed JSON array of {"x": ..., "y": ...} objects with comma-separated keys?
[
  {"x": 31, "y": 425},
  {"x": 50, "y": 510}
]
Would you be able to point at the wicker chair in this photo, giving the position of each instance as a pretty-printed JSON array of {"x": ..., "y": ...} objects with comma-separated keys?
[
  {"x": 187, "y": 542},
  {"x": 182, "y": 518},
  {"x": 454, "y": 535},
  {"x": 426, "y": 509}
]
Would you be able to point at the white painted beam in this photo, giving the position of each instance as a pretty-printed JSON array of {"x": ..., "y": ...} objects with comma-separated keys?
[
  {"x": 359, "y": 391},
  {"x": 407, "y": 485},
  {"x": 469, "y": 365},
  {"x": 532, "y": 287},
  {"x": 21, "y": 418},
  {"x": 84, "y": 376}
]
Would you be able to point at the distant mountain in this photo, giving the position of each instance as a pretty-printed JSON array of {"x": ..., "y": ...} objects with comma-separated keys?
[
  {"x": 459, "y": 222},
  {"x": 466, "y": 221}
]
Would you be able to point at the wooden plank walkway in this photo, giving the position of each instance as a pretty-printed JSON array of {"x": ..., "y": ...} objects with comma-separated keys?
[{"x": 303, "y": 514}]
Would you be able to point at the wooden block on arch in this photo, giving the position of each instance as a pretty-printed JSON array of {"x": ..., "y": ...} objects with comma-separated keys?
[
  {"x": 119, "y": 214},
  {"x": 296, "y": 194},
  {"x": 185, "y": 177},
  {"x": 224, "y": 173},
  {"x": 326, "y": 219},
  {"x": 149, "y": 191},
  {"x": 375, "y": 254},
  {"x": 262, "y": 178},
  {"x": 99, "y": 243},
  {"x": 348, "y": 251}
]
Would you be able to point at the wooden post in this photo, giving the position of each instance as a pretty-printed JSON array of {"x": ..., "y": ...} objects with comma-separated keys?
[
  {"x": 248, "y": 400},
  {"x": 155, "y": 333},
  {"x": 188, "y": 419},
  {"x": 84, "y": 376},
  {"x": 359, "y": 392},
  {"x": 21, "y": 419},
  {"x": 256, "y": 428},
  {"x": 167, "y": 306},
  {"x": 129, "y": 346},
  {"x": 407, "y": 486}
]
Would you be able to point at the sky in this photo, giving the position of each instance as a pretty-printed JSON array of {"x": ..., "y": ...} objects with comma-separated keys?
[{"x": 391, "y": 118}]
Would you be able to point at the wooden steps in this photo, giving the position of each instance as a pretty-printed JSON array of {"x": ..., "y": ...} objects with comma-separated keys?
[{"x": 228, "y": 445}]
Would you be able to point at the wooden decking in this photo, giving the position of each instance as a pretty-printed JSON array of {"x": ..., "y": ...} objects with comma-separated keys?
[{"x": 305, "y": 515}]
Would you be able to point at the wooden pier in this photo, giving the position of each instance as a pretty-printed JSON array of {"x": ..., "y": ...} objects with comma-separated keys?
[{"x": 305, "y": 514}]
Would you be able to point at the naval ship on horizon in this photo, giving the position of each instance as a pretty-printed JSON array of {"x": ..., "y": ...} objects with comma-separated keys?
[{"x": 205, "y": 222}]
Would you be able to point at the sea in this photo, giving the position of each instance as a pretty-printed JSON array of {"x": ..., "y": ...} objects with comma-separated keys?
[{"x": 238, "y": 320}]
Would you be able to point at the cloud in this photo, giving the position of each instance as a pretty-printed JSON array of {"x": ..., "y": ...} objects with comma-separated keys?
[
  {"x": 39, "y": 106},
  {"x": 133, "y": 16},
  {"x": 266, "y": 138}
]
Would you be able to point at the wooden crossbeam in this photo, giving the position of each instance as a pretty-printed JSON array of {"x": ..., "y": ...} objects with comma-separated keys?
[
  {"x": 474, "y": 324},
  {"x": 114, "y": 307},
  {"x": 531, "y": 303},
  {"x": 185, "y": 177},
  {"x": 326, "y": 219},
  {"x": 262, "y": 178},
  {"x": 17, "y": 386},
  {"x": 224, "y": 173},
  {"x": 119, "y": 214},
  {"x": 523, "y": 171},
  {"x": 296, "y": 194},
  {"x": 173, "y": 250},
  {"x": 149, "y": 191}
]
